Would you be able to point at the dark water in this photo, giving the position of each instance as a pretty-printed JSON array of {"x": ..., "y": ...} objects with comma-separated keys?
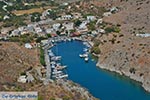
[{"x": 100, "y": 83}]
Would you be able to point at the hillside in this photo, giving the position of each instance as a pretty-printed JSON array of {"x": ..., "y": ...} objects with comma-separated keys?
[
  {"x": 15, "y": 60},
  {"x": 124, "y": 52}
]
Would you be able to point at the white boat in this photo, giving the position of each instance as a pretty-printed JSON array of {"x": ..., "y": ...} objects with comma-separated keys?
[
  {"x": 86, "y": 59},
  {"x": 60, "y": 67},
  {"x": 85, "y": 49},
  {"x": 56, "y": 72},
  {"x": 62, "y": 76},
  {"x": 53, "y": 66},
  {"x": 83, "y": 55},
  {"x": 56, "y": 58}
]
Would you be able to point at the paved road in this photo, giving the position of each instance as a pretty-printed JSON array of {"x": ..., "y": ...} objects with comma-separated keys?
[{"x": 47, "y": 61}]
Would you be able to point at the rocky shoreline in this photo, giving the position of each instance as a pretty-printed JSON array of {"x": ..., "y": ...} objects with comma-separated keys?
[{"x": 145, "y": 83}]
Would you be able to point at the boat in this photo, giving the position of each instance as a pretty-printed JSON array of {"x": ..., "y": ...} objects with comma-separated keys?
[
  {"x": 60, "y": 67},
  {"x": 86, "y": 59},
  {"x": 69, "y": 39},
  {"x": 56, "y": 58},
  {"x": 85, "y": 50},
  {"x": 83, "y": 55},
  {"x": 62, "y": 76},
  {"x": 56, "y": 72}
]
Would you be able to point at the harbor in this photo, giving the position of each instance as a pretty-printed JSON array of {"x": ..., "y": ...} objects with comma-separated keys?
[
  {"x": 99, "y": 82},
  {"x": 54, "y": 69}
]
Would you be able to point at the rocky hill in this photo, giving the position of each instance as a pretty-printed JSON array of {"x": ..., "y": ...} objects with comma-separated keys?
[{"x": 124, "y": 52}]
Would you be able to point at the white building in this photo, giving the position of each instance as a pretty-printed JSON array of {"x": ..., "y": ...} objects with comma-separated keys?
[
  {"x": 114, "y": 9},
  {"x": 101, "y": 31},
  {"x": 22, "y": 79},
  {"x": 28, "y": 46},
  {"x": 6, "y": 17},
  {"x": 99, "y": 21},
  {"x": 15, "y": 32},
  {"x": 65, "y": 17},
  {"x": 91, "y": 18},
  {"x": 56, "y": 26},
  {"x": 38, "y": 29},
  {"x": 107, "y": 14},
  {"x": 69, "y": 26},
  {"x": 44, "y": 42},
  {"x": 83, "y": 25},
  {"x": 49, "y": 30}
]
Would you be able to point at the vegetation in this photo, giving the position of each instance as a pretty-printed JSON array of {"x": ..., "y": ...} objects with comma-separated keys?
[
  {"x": 40, "y": 98},
  {"x": 22, "y": 39},
  {"x": 77, "y": 23},
  {"x": 132, "y": 70},
  {"x": 52, "y": 99},
  {"x": 14, "y": 21},
  {"x": 95, "y": 50},
  {"x": 42, "y": 58},
  {"x": 52, "y": 14},
  {"x": 91, "y": 26},
  {"x": 35, "y": 17},
  {"x": 39, "y": 39},
  {"x": 112, "y": 29}
]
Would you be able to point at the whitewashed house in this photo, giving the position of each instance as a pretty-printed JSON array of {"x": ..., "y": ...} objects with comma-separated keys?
[
  {"x": 6, "y": 17},
  {"x": 101, "y": 31},
  {"x": 21, "y": 28},
  {"x": 44, "y": 42},
  {"x": 28, "y": 46},
  {"x": 37, "y": 29},
  {"x": 56, "y": 26},
  {"x": 91, "y": 18},
  {"x": 68, "y": 25},
  {"x": 83, "y": 25},
  {"x": 49, "y": 30},
  {"x": 15, "y": 32},
  {"x": 114, "y": 9},
  {"x": 66, "y": 17},
  {"x": 107, "y": 14},
  {"x": 99, "y": 21},
  {"x": 22, "y": 79}
]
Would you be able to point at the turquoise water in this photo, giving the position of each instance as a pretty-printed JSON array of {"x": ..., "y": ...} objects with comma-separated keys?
[{"x": 100, "y": 83}]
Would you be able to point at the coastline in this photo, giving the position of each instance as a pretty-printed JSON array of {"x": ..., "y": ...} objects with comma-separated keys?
[
  {"x": 131, "y": 76},
  {"x": 68, "y": 85}
]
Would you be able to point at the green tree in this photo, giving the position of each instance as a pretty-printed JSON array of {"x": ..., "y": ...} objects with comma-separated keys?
[
  {"x": 77, "y": 23},
  {"x": 95, "y": 50}
]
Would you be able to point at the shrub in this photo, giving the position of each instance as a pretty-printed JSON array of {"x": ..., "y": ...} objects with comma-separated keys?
[
  {"x": 95, "y": 50},
  {"x": 112, "y": 29},
  {"x": 42, "y": 58}
]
